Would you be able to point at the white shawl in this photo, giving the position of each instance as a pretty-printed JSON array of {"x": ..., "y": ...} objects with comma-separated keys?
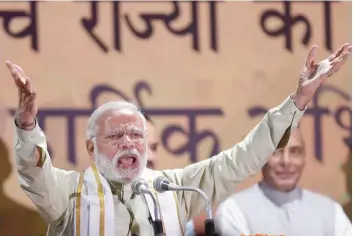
[{"x": 94, "y": 206}]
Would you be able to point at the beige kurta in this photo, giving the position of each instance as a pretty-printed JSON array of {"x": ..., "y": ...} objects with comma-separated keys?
[{"x": 53, "y": 190}]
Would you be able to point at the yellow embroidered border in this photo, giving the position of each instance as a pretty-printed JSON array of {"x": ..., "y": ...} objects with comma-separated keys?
[
  {"x": 160, "y": 210},
  {"x": 78, "y": 204},
  {"x": 42, "y": 157},
  {"x": 177, "y": 209},
  {"x": 101, "y": 200}
]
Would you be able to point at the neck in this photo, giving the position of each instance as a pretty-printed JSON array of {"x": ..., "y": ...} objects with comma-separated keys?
[{"x": 277, "y": 188}]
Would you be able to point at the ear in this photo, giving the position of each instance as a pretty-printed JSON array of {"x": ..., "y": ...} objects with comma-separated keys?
[{"x": 90, "y": 147}]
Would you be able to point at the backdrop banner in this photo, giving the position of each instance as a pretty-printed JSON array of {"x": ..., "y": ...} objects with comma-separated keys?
[{"x": 205, "y": 72}]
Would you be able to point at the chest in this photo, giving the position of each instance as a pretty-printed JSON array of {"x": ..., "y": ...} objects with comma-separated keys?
[
  {"x": 132, "y": 218},
  {"x": 289, "y": 219}
]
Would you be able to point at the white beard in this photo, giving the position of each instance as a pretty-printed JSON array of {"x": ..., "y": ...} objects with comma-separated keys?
[{"x": 109, "y": 169}]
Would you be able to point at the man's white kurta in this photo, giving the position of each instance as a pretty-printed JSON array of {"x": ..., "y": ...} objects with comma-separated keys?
[{"x": 53, "y": 190}]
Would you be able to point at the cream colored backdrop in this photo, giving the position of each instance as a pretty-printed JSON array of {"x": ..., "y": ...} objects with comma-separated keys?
[{"x": 247, "y": 69}]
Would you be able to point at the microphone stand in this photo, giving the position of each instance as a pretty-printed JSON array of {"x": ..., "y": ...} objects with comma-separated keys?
[
  {"x": 162, "y": 184},
  {"x": 141, "y": 187},
  {"x": 157, "y": 223},
  {"x": 209, "y": 222}
]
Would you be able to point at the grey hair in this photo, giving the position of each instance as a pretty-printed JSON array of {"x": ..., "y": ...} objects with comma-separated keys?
[{"x": 110, "y": 106}]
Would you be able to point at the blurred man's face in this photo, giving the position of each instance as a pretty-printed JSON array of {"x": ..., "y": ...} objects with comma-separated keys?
[
  {"x": 152, "y": 146},
  {"x": 284, "y": 169},
  {"x": 120, "y": 147}
]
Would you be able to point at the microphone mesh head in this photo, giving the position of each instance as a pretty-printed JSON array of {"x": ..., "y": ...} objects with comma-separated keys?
[
  {"x": 135, "y": 186},
  {"x": 158, "y": 183}
]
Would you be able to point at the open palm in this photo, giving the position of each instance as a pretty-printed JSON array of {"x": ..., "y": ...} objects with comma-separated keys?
[
  {"x": 27, "y": 107},
  {"x": 314, "y": 74}
]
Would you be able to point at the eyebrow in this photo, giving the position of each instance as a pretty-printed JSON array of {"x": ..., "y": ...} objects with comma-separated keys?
[{"x": 116, "y": 130}]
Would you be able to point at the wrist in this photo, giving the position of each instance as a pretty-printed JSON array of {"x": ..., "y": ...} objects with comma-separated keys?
[
  {"x": 25, "y": 124},
  {"x": 299, "y": 101}
]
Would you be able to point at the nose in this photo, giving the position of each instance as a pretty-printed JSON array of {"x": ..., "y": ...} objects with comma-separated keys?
[
  {"x": 285, "y": 158},
  {"x": 125, "y": 143}
]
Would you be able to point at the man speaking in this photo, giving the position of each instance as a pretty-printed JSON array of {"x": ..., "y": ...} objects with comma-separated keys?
[{"x": 100, "y": 200}]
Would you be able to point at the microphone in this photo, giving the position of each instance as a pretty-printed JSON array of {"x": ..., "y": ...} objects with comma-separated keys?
[
  {"x": 162, "y": 184},
  {"x": 140, "y": 187}
]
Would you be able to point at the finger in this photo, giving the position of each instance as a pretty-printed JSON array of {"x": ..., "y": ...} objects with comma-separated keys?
[
  {"x": 28, "y": 85},
  {"x": 16, "y": 76},
  {"x": 33, "y": 96},
  {"x": 20, "y": 72},
  {"x": 339, "y": 52},
  {"x": 312, "y": 56},
  {"x": 334, "y": 68},
  {"x": 15, "y": 73},
  {"x": 345, "y": 54},
  {"x": 338, "y": 62},
  {"x": 34, "y": 93},
  {"x": 9, "y": 65},
  {"x": 11, "y": 68},
  {"x": 28, "y": 97}
]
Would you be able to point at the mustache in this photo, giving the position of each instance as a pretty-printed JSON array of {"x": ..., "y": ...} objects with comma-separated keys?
[{"x": 129, "y": 152}]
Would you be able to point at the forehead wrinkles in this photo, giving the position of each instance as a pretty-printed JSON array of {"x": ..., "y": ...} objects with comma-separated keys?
[
  {"x": 121, "y": 118},
  {"x": 124, "y": 128},
  {"x": 116, "y": 123}
]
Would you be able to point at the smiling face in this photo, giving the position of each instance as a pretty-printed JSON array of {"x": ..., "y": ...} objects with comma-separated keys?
[
  {"x": 284, "y": 168},
  {"x": 120, "y": 145},
  {"x": 152, "y": 143}
]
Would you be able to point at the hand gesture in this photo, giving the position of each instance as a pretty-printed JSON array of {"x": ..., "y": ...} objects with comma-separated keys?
[
  {"x": 27, "y": 107},
  {"x": 314, "y": 74}
]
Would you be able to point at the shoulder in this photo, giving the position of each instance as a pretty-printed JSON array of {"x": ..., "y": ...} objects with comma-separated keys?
[
  {"x": 149, "y": 173},
  {"x": 317, "y": 196},
  {"x": 321, "y": 203},
  {"x": 239, "y": 196},
  {"x": 320, "y": 200}
]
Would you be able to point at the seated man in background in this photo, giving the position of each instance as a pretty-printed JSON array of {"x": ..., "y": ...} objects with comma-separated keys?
[
  {"x": 152, "y": 143},
  {"x": 277, "y": 206}
]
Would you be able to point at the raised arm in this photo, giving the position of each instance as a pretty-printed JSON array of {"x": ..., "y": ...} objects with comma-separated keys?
[
  {"x": 48, "y": 187},
  {"x": 218, "y": 176}
]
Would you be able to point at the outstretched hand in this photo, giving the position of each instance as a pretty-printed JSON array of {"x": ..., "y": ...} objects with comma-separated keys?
[
  {"x": 314, "y": 74},
  {"x": 27, "y": 107}
]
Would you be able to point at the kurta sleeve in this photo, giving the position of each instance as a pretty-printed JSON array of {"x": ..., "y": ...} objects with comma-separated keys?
[
  {"x": 343, "y": 226},
  {"x": 230, "y": 220},
  {"x": 48, "y": 187},
  {"x": 218, "y": 175}
]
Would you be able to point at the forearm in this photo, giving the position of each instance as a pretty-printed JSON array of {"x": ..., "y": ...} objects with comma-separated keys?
[
  {"x": 272, "y": 133},
  {"x": 45, "y": 185},
  {"x": 218, "y": 176}
]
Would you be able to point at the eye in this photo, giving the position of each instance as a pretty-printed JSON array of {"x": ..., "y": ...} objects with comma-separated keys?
[
  {"x": 154, "y": 147},
  {"x": 296, "y": 151},
  {"x": 136, "y": 134},
  {"x": 115, "y": 136}
]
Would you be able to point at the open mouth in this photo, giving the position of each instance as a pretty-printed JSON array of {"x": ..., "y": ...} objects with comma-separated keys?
[{"x": 127, "y": 160}]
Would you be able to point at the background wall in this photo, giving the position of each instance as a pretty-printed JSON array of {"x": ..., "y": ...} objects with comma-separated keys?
[{"x": 205, "y": 72}]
